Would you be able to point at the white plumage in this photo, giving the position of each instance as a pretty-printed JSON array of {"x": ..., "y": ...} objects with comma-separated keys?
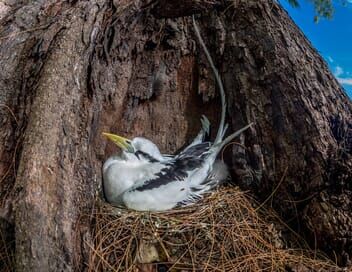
[{"x": 142, "y": 178}]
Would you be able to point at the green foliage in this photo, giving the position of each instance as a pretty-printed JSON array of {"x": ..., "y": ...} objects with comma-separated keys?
[
  {"x": 293, "y": 3},
  {"x": 323, "y": 8}
]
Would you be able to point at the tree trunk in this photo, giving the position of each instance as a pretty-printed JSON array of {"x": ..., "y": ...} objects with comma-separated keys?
[{"x": 73, "y": 69}]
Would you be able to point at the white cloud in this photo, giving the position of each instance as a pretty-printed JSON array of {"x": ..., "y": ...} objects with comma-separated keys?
[
  {"x": 330, "y": 59},
  {"x": 338, "y": 70},
  {"x": 344, "y": 77},
  {"x": 346, "y": 81}
]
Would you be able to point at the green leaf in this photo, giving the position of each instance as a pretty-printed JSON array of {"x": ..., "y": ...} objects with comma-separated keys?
[{"x": 323, "y": 8}]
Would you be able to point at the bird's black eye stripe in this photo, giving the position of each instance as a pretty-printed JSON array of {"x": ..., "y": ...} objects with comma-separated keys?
[{"x": 128, "y": 141}]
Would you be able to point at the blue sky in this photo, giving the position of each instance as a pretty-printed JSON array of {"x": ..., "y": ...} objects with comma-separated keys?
[{"x": 332, "y": 38}]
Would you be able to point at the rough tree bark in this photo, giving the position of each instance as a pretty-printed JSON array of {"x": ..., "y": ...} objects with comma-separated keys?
[{"x": 73, "y": 69}]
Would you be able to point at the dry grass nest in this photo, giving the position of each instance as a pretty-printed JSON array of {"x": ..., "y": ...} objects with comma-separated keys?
[{"x": 226, "y": 231}]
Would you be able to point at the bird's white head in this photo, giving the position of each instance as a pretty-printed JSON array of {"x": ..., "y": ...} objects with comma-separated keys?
[{"x": 140, "y": 147}]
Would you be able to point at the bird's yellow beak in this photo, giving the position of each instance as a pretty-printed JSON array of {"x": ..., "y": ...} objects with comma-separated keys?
[{"x": 122, "y": 142}]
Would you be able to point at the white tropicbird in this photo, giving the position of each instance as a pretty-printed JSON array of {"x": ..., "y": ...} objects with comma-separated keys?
[{"x": 142, "y": 178}]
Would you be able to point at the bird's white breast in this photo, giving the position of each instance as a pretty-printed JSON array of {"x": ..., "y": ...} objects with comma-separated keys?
[{"x": 120, "y": 175}]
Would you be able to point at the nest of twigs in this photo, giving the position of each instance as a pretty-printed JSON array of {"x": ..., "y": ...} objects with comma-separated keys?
[{"x": 226, "y": 231}]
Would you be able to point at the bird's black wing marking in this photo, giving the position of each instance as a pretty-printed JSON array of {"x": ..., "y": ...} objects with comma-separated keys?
[
  {"x": 198, "y": 150},
  {"x": 177, "y": 169}
]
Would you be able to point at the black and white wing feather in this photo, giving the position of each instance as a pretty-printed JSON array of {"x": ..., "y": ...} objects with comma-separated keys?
[{"x": 182, "y": 180}]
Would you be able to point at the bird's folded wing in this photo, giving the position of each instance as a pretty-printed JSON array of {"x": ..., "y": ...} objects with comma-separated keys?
[
  {"x": 179, "y": 181},
  {"x": 199, "y": 150}
]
